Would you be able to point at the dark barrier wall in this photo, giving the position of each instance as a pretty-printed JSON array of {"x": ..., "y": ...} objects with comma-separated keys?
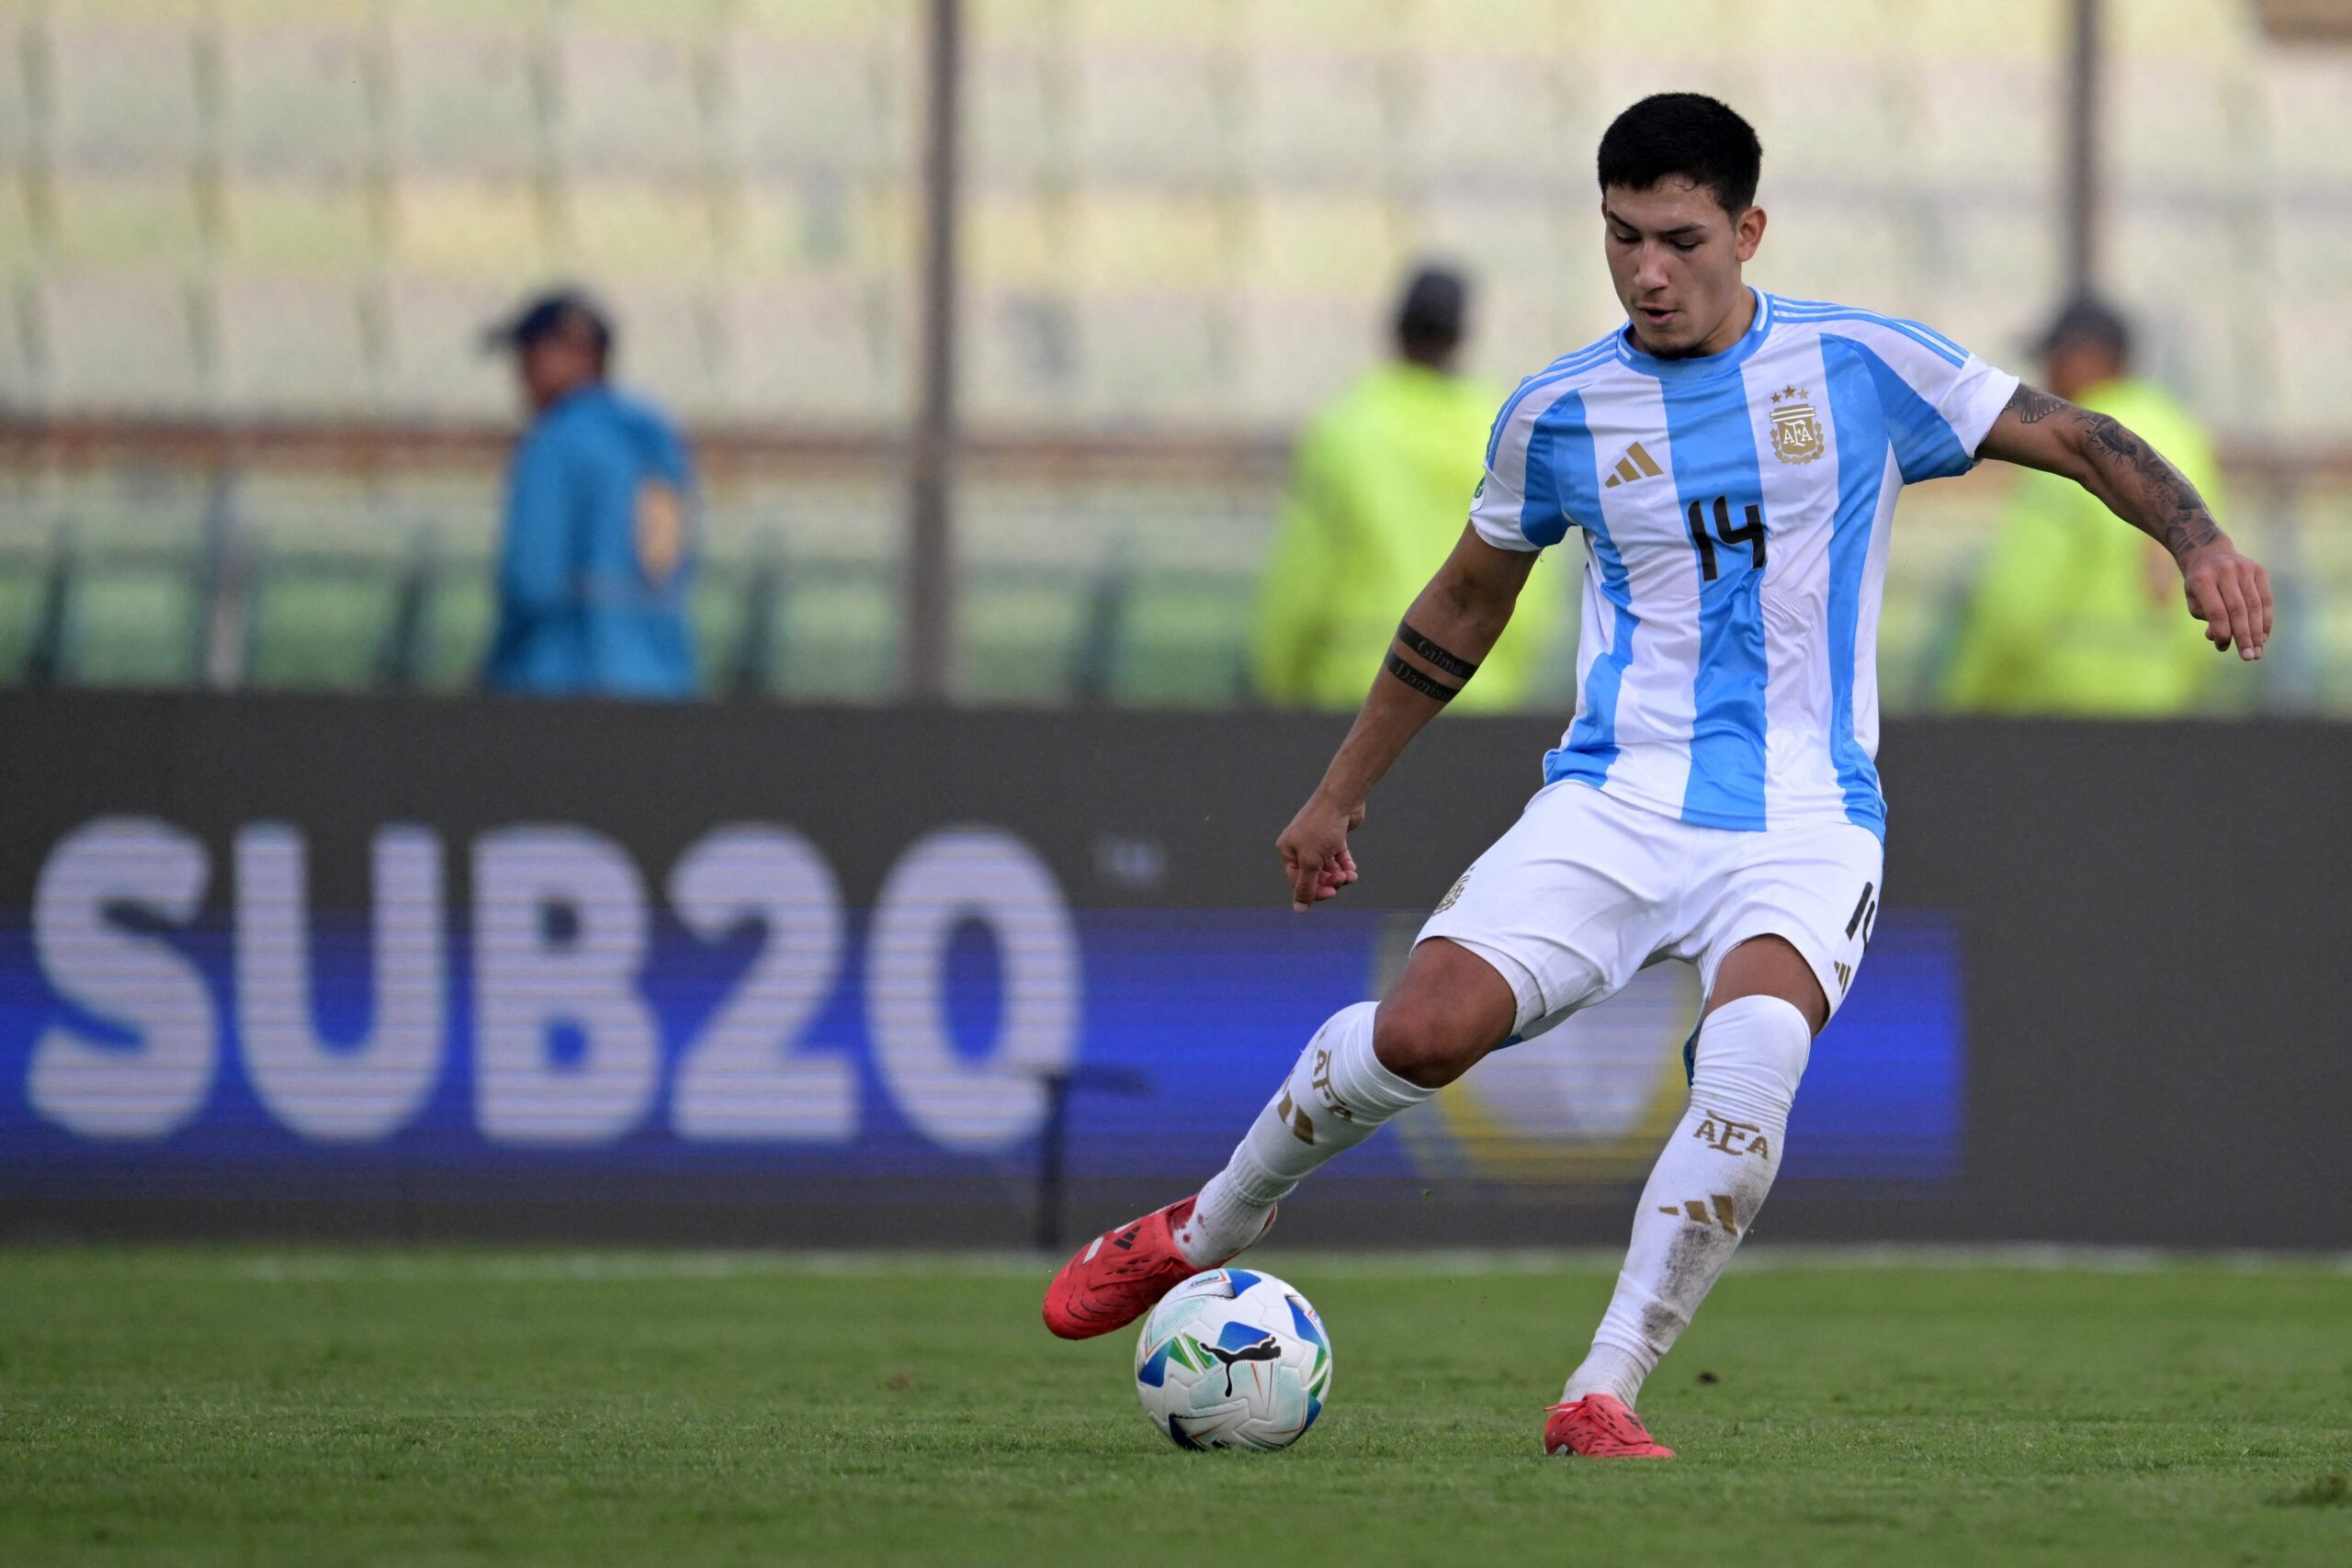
[{"x": 293, "y": 965}]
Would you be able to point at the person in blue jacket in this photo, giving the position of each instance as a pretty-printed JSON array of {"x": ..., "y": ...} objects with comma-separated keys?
[{"x": 599, "y": 546}]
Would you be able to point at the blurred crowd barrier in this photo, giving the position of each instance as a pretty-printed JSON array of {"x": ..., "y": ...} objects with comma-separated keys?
[{"x": 246, "y": 247}]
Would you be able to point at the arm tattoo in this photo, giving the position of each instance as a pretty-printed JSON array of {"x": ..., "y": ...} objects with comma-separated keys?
[
  {"x": 2033, "y": 405},
  {"x": 2142, "y": 488},
  {"x": 1444, "y": 662},
  {"x": 2161, "y": 502},
  {"x": 1419, "y": 682}
]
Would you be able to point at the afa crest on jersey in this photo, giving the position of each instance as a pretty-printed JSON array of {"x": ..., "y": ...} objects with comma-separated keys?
[{"x": 1796, "y": 433}]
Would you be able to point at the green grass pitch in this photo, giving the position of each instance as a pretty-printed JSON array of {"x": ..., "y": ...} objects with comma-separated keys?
[{"x": 509, "y": 1407}]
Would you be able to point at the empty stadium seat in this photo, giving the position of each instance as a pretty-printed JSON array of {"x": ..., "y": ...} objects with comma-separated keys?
[
  {"x": 434, "y": 364},
  {"x": 1183, "y": 641},
  {"x": 1147, "y": 353},
  {"x": 1985, "y": 124},
  {"x": 318, "y": 624},
  {"x": 307, "y": 224},
  {"x": 627, "y": 101},
  {"x": 821, "y": 223},
  {"x": 1296, "y": 350},
  {"x": 120, "y": 342},
  {"x": 2303, "y": 88},
  {"x": 295, "y": 92},
  {"x": 123, "y": 85},
  {"x": 1020, "y": 330},
  {"x": 292, "y": 347},
  {"x": 1150, "y": 111},
  {"x": 2172, "y": 123},
  {"x": 814, "y": 349},
  {"x": 1020, "y": 628},
  {"x": 1316, "y": 241},
  {"x": 150, "y": 222},
  {"x": 2313, "y": 338},
  {"x": 1482, "y": 119},
  {"x": 1520, "y": 236},
  {"x": 479, "y": 230},
  {"x": 1142, "y": 237},
  {"x": 665, "y": 342},
  {"x": 631, "y": 231},
  {"x": 1015, "y": 131},
  {"x": 1317, "y": 112},
  {"x": 1022, "y": 350},
  {"x": 1984, "y": 239},
  {"x": 796, "y": 103},
  {"x": 1852, "y": 250},
  {"x": 838, "y": 632},
  {"x": 460, "y": 621},
  {"x": 17, "y": 138},
  {"x": 134, "y": 626},
  {"x": 462, "y": 96}
]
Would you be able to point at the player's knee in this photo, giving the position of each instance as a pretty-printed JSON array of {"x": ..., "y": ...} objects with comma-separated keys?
[
  {"x": 1753, "y": 1052},
  {"x": 1420, "y": 1039}
]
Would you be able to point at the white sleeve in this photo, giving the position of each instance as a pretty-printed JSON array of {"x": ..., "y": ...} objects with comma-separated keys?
[
  {"x": 1941, "y": 400},
  {"x": 1498, "y": 506},
  {"x": 1970, "y": 399}
]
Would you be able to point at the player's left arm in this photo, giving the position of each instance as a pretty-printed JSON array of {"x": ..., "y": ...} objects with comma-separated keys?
[{"x": 2228, "y": 592}]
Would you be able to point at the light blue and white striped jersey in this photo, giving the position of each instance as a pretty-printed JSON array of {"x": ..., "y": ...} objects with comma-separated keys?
[{"x": 1735, "y": 511}]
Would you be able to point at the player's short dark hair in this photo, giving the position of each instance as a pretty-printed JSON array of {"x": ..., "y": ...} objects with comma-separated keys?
[{"x": 1701, "y": 139}]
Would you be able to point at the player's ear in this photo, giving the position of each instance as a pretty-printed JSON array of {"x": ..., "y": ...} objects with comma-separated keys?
[{"x": 1748, "y": 233}]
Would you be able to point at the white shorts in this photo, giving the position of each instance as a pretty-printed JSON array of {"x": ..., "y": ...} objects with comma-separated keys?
[{"x": 1585, "y": 891}]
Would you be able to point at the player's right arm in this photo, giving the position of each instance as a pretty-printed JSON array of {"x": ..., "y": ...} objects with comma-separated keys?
[
  {"x": 2226, "y": 591},
  {"x": 1450, "y": 626}
]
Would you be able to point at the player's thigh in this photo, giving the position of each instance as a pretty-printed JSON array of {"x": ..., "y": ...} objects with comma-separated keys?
[
  {"x": 1770, "y": 966},
  {"x": 1799, "y": 902},
  {"x": 1567, "y": 905}
]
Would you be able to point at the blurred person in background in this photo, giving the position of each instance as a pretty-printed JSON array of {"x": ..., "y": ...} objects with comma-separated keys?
[
  {"x": 2070, "y": 615},
  {"x": 599, "y": 542},
  {"x": 1378, "y": 490}
]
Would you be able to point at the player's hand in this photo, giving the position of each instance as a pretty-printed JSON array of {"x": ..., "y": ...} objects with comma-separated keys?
[
  {"x": 1314, "y": 852},
  {"x": 2231, "y": 595}
]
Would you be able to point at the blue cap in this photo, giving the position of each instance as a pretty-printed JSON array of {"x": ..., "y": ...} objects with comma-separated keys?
[{"x": 561, "y": 313}]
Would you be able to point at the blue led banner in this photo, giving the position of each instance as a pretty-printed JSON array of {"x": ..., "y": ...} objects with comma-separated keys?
[{"x": 174, "y": 1010}]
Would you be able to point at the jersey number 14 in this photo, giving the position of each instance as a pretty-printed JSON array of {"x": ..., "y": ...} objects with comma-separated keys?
[{"x": 1750, "y": 534}]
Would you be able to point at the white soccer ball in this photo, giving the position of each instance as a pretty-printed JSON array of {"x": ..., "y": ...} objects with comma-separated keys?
[{"x": 1233, "y": 1358}]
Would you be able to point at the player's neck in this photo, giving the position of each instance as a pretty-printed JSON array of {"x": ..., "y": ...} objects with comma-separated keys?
[{"x": 1727, "y": 331}]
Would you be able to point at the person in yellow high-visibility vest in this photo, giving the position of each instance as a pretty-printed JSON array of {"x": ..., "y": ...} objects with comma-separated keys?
[
  {"x": 2070, "y": 614},
  {"x": 1379, "y": 487}
]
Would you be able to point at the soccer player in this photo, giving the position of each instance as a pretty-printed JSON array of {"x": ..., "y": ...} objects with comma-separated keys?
[{"x": 1734, "y": 459}]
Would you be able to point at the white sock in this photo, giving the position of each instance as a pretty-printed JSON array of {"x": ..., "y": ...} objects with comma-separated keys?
[
  {"x": 1704, "y": 1191},
  {"x": 1336, "y": 1097}
]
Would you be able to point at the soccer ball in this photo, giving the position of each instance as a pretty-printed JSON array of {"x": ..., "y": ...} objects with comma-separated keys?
[{"x": 1232, "y": 1359}]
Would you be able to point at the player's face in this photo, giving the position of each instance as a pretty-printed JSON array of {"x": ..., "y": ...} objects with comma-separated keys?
[{"x": 1675, "y": 256}]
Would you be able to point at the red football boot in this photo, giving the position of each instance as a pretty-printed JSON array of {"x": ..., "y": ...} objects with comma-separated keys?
[
  {"x": 1121, "y": 1274},
  {"x": 1599, "y": 1427}
]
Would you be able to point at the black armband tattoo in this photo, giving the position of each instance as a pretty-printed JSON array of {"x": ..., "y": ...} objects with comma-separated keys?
[
  {"x": 1419, "y": 682},
  {"x": 1451, "y": 664}
]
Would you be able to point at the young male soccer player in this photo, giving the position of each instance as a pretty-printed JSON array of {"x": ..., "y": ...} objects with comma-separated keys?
[{"x": 1733, "y": 459}]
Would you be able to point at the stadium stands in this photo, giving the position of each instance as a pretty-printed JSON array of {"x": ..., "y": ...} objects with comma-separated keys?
[{"x": 1187, "y": 218}]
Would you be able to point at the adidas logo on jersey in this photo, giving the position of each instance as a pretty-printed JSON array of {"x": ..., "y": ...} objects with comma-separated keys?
[{"x": 1637, "y": 464}]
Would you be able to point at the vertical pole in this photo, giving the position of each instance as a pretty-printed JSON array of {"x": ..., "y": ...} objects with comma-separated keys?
[
  {"x": 2080, "y": 190},
  {"x": 224, "y": 629},
  {"x": 928, "y": 637}
]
